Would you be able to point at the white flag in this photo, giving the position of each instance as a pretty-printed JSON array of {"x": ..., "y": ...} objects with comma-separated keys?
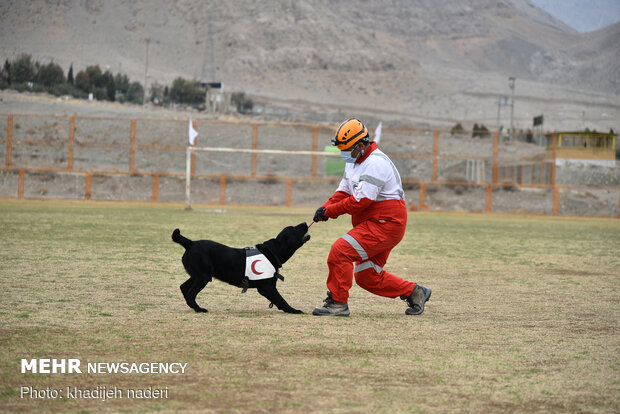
[
  {"x": 378, "y": 133},
  {"x": 192, "y": 133}
]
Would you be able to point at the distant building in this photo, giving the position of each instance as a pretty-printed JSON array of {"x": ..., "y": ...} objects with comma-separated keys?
[{"x": 583, "y": 147}]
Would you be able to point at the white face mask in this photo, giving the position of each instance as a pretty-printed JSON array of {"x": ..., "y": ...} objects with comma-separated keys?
[{"x": 347, "y": 157}]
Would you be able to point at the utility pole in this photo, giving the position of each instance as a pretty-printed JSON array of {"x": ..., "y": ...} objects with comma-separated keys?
[
  {"x": 499, "y": 106},
  {"x": 146, "y": 69},
  {"x": 511, "y": 83},
  {"x": 209, "y": 50}
]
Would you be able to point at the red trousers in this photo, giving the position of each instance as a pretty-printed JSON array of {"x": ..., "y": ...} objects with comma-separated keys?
[{"x": 369, "y": 244}]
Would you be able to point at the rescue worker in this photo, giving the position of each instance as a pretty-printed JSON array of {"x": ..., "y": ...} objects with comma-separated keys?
[{"x": 371, "y": 192}]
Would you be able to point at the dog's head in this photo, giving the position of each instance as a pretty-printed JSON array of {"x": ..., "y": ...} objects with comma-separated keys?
[{"x": 288, "y": 241}]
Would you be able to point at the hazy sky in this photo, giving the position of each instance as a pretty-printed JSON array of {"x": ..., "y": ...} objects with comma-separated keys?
[{"x": 583, "y": 15}]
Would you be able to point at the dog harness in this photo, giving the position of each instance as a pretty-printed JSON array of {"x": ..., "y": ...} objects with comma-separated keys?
[{"x": 257, "y": 267}]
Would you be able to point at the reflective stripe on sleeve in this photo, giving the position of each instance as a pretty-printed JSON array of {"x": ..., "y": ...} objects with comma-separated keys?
[{"x": 372, "y": 180}]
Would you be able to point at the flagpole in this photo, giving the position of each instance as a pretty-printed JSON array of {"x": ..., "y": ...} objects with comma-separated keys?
[
  {"x": 188, "y": 171},
  {"x": 188, "y": 164}
]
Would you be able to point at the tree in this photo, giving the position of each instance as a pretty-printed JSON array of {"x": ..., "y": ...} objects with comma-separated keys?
[
  {"x": 483, "y": 131},
  {"x": 187, "y": 91},
  {"x": 51, "y": 75},
  {"x": 5, "y": 73},
  {"x": 95, "y": 76},
  {"x": 135, "y": 93},
  {"x": 70, "y": 75},
  {"x": 457, "y": 129},
  {"x": 475, "y": 132},
  {"x": 82, "y": 81},
  {"x": 22, "y": 69},
  {"x": 121, "y": 82},
  {"x": 480, "y": 131},
  {"x": 109, "y": 85},
  {"x": 157, "y": 92}
]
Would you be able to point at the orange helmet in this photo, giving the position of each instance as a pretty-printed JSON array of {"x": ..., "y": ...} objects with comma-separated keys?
[{"x": 349, "y": 133}]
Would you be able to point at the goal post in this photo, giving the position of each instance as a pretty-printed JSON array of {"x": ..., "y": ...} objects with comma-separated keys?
[{"x": 190, "y": 149}]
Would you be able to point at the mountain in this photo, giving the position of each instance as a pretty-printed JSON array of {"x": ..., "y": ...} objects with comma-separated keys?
[{"x": 423, "y": 62}]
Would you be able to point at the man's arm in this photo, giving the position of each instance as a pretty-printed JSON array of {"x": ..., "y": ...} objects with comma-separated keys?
[{"x": 348, "y": 205}]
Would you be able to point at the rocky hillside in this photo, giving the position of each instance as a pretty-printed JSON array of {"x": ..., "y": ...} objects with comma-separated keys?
[{"x": 429, "y": 61}]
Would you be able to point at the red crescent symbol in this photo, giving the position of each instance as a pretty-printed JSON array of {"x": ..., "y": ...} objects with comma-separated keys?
[{"x": 253, "y": 266}]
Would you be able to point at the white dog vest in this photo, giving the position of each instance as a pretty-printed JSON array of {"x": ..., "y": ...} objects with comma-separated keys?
[{"x": 257, "y": 266}]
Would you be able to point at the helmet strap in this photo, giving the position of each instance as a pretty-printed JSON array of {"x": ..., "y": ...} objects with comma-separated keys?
[{"x": 361, "y": 151}]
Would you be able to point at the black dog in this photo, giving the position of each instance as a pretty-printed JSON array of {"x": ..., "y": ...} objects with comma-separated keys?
[{"x": 205, "y": 259}]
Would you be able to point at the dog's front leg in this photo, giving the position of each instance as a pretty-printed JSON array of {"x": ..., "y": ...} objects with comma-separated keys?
[{"x": 271, "y": 293}]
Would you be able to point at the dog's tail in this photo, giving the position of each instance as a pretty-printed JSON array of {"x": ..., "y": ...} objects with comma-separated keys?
[{"x": 183, "y": 241}]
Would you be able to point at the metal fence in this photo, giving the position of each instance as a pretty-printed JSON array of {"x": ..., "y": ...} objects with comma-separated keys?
[{"x": 78, "y": 157}]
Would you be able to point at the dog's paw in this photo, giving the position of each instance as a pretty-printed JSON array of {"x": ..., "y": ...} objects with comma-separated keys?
[
  {"x": 295, "y": 311},
  {"x": 200, "y": 310}
]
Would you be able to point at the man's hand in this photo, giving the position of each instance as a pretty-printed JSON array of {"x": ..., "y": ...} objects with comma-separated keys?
[{"x": 319, "y": 215}]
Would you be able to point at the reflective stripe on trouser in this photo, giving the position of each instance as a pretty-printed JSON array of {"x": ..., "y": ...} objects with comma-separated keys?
[{"x": 369, "y": 244}]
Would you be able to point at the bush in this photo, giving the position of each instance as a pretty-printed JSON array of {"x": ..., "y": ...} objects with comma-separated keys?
[
  {"x": 135, "y": 93},
  {"x": 66, "y": 89},
  {"x": 243, "y": 104},
  {"x": 100, "y": 93}
]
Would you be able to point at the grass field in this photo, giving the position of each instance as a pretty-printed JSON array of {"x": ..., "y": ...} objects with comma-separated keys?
[{"x": 524, "y": 317}]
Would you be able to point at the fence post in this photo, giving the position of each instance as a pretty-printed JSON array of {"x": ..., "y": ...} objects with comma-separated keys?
[
  {"x": 20, "y": 184},
  {"x": 315, "y": 147},
  {"x": 423, "y": 206},
  {"x": 9, "y": 141},
  {"x": 495, "y": 168},
  {"x": 435, "y": 153},
  {"x": 556, "y": 192},
  {"x": 254, "y": 146},
  {"x": 289, "y": 192},
  {"x": 489, "y": 201},
  {"x": 155, "y": 187},
  {"x": 132, "y": 147},
  {"x": 223, "y": 189},
  {"x": 71, "y": 143},
  {"x": 541, "y": 173},
  {"x": 88, "y": 186}
]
